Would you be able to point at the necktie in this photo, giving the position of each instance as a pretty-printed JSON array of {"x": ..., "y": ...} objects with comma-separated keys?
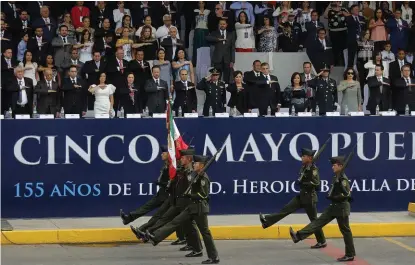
[
  {"x": 49, "y": 86},
  {"x": 121, "y": 67},
  {"x": 73, "y": 81},
  {"x": 9, "y": 64},
  {"x": 316, "y": 24},
  {"x": 20, "y": 92},
  {"x": 356, "y": 19},
  {"x": 408, "y": 82},
  {"x": 157, "y": 83},
  {"x": 64, "y": 39}
]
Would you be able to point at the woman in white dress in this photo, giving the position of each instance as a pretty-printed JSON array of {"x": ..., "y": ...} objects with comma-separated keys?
[
  {"x": 86, "y": 44},
  {"x": 104, "y": 99},
  {"x": 30, "y": 68}
]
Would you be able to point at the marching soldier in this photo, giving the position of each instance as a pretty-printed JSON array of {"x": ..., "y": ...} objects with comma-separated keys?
[
  {"x": 325, "y": 91},
  {"x": 157, "y": 200},
  {"x": 215, "y": 93},
  {"x": 307, "y": 199},
  {"x": 185, "y": 94},
  {"x": 197, "y": 211},
  {"x": 340, "y": 196}
]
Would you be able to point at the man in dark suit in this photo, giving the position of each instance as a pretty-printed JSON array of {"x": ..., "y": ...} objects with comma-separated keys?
[
  {"x": 142, "y": 73},
  {"x": 99, "y": 13},
  {"x": 141, "y": 9},
  {"x": 185, "y": 94},
  {"x": 21, "y": 26},
  {"x": 21, "y": 92},
  {"x": 253, "y": 79},
  {"x": 405, "y": 91},
  {"x": 157, "y": 92},
  {"x": 47, "y": 23},
  {"x": 91, "y": 72},
  {"x": 105, "y": 45},
  {"x": 320, "y": 51},
  {"x": 312, "y": 27},
  {"x": 395, "y": 69},
  {"x": 117, "y": 70},
  {"x": 73, "y": 61},
  {"x": 379, "y": 91},
  {"x": 34, "y": 9},
  {"x": 11, "y": 10},
  {"x": 74, "y": 93},
  {"x": 39, "y": 46},
  {"x": 48, "y": 101},
  {"x": 6, "y": 37},
  {"x": 7, "y": 73},
  {"x": 355, "y": 26},
  {"x": 268, "y": 94},
  {"x": 223, "y": 56},
  {"x": 171, "y": 44}
]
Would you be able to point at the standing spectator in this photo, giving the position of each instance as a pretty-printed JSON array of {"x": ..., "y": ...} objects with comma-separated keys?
[
  {"x": 304, "y": 16},
  {"x": 128, "y": 96},
  {"x": 185, "y": 90},
  {"x": 201, "y": 29},
  {"x": 282, "y": 12},
  {"x": 180, "y": 62},
  {"x": 149, "y": 44},
  {"x": 119, "y": 15},
  {"x": 387, "y": 13},
  {"x": 319, "y": 51},
  {"x": 21, "y": 26},
  {"x": 366, "y": 11},
  {"x": 165, "y": 68},
  {"x": 270, "y": 94},
  {"x": 78, "y": 12},
  {"x": 11, "y": 10},
  {"x": 407, "y": 12},
  {"x": 142, "y": 72},
  {"x": 75, "y": 92},
  {"x": 379, "y": 91},
  {"x": 296, "y": 30},
  {"x": 104, "y": 96},
  {"x": 287, "y": 41},
  {"x": 246, "y": 7},
  {"x": 167, "y": 8},
  {"x": 336, "y": 16},
  {"x": 223, "y": 56},
  {"x": 371, "y": 65},
  {"x": 6, "y": 37},
  {"x": 105, "y": 29},
  {"x": 325, "y": 90},
  {"x": 49, "y": 63},
  {"x": 85, "y": 46},
  {"x": 139, "y": 11},
  {"x": 365, "y": 51},
  {"x": 411, "y": 38},
  {"x": 245, "y": 37},
  {"x": 268, "y": 36},
  {"x": 126, "y": 43},
  {"x": 7, "y": 65},
  {"x": 171, "y": 44},
  {"x": 63, "y": 47},
  {"x": 105, "y": 45},
  {"x": 239, "y": 94},
  {"x": 157, "y": 92},
  {"x": 86, "y": 25},
  {"x": 20, "y": 89},
  {"x": 47, "y": 23},
  {"x": 253, "y": 80},
  {"x": 48, "y": 91},
  {"x": 126, "y": 24},
  {"x": 163, "y": 31},
  {"x": 395, "y": 73},
  {"x": 220, "y": 13},
  {"x": 295, "y": 94},
  {"x": 398, "y": 29},
  {"x": 147, "y": 22},
  {"x": 34, "y": 8},
  {"x": 29, "y": 67},
  {"x": 68, "y": 23},
  {"x": 99, "y": 13},
  {"x": 306, "y": 77},
  {"x": 262, "y": 9},
  {"x": 404, "y": 91},
  {"x": 378, "y": 33},
  {"x": 92, "y": 70},
  {"x": 73, "y": 61},
  {"x": 387, "y": 54},
  {"x": 355, "y": 27},
  {"x": 22, "y": 47},
  {"x": 215, "y": 93},
  {"x": 312, "y": 28},
  {"x": 39, "y": 46},
  {"x": 117, "y": 69},
  {"x": 351, "y": 92}
]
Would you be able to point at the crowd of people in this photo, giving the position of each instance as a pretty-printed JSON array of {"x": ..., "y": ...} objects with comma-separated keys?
[{"x": 108, "y": 56}]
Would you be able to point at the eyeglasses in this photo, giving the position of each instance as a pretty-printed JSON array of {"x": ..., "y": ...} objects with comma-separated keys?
[{"x": 350, "y": 73}]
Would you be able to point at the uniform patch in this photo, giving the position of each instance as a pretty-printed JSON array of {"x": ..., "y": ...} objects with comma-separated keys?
[
  {"x": 203, "y": 182},
  {"x": 315, "y": 172},
  {"x": 189, "y": 177},
  {"x": 344, "y": 182}
]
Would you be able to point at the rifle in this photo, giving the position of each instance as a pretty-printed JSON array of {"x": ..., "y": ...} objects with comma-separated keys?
[
  {"x": 315, "y": 157},
  {"x": 195, "y": 176}
]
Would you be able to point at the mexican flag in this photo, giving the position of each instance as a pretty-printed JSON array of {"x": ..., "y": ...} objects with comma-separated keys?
[{"x": 175, "y": 142}]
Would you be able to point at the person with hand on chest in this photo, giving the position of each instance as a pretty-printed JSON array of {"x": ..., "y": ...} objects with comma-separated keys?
[
  {"x": 215, "y": 93},
  {"x": 404, "y": 91},
  {"x": 21, "y": 92},
  {"x": 75, "y": 93},
  {"x": 157, "y": 92},
  {"x": 48, "y": 101},
  {"x": 379, "y": 91},
  {"x": 186, "y": 98}
]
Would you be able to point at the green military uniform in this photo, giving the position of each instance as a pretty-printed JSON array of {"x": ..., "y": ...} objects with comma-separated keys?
[
  {"x": 339, "y": 209},
  {"x": 307, "y": 199},
  {"x": 197, "y": 211}
]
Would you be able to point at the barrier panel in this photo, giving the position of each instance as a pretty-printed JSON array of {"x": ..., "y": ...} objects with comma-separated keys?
[{"x": 81, "y": 168}]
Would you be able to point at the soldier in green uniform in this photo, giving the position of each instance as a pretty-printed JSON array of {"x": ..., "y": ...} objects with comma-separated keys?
[
  {"x": 157, "y": 200},
  {"x": 215, "y": 92},
  {"x": 197, "y": 211},
  {"x": 307, "y": 199},
  {"x": 340, "y": 196}
]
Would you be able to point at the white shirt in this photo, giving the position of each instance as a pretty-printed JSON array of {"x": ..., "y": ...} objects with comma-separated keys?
[
  {"x": 307, "y": 77},
  {"x": 162, "y": 33},
  {"x": 73, "y": 81},
  {"x": 407, "y": 14},
  {"x": 21, "y": 84},
  {"x": 323, "y": 42},
  {"x": 401, "y": 63},
  {"x": 118, "y": 17},
  {"x": 380, "y": 79}
]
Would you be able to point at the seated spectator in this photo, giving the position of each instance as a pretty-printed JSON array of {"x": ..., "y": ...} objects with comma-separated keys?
[
  {"x": 245, "y": 37},
  {"x": 104, "y": 99},
  {"x": 268, "y": 36},
  {"x": 239, "y": 94},
  {"x": 351, "y": 92},
  {"x": 295, "y": 94}
]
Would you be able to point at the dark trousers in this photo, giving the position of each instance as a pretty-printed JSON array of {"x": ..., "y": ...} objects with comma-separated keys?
[
  {"x": 324, "y": 219},
  {"x": 225, "y": 70},
  {"x": 294, "y": 205},
  {"x": 351, "y": 53},
  {"x": 363, "y": 72},
  {"x": 337, "y": 39},
  {"x": 263, "y": 111},
  {"x": 201, "y": 222},
  {"x": 127, "y": 104},
  {"x": 153, "y": 203},
  {"x": 90, "y": 101},
  {"x": 20, "y": 110},
  {"x": 73, "y": 109}
]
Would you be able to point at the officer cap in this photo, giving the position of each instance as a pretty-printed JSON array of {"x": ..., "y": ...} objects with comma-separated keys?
[
  {"x": 307, "y": 152},
  {"x": 201, "y": 159},
  {"x": 164, "y": 148},
  {"x": 325, "y": 68},
  {"x": 214, "y": 71},
  {"x": 188, "y": 152},
  {"x": 337, "y": 160}
]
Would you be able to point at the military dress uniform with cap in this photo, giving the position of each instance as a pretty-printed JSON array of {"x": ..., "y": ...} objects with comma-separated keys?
[
  {"x": 307, "y": 199},
  {"x": 325, "y": 91},
  {"x": 157, "y": 200},
  {"x": 215, "y": 94},
  {"x": 197, "y": 211},
  {"x": 339, "y": 209}
]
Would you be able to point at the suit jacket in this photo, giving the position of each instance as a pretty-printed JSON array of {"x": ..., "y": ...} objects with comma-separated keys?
[
  {"x": 107, "y": 51},
  {"x": 97, "y": 16},
  {"x": 354, "y": 30},
  {"x": 39, "y": 53},
  {"x": 398, "y": 36},
  {"x": 239, "y": 98},
  {"x": 116, "y": 75},
  {"x": 185, "y": 98},
  {"x": 33, "y": 8},
  {"x": 137, "y": 12},
  {"x": 14, "y": 89},
  {"x": 68, "y": 63},
  {"x": 10, "y": 43},
  {"x": 320, "y": 56},
  {"x": 48, "y": 34},
  {"x": 7, "y": 73},
  {"x": 9, "y": 12},
  {"x": 253, "y": 83},
  {"x": 18, "y": 29},
  {"x": 375, "y": 96},
  {"x": 91, "y": 73},
  {"x": 156, "y": 96},
  {"x": 73, "y": 96},
  {"x": 48, "y": 99},
  {"x": 302, "y": 76},
  {"x": 223, "y": 52},
  {"x": 167, "y": 44},
  {"x": 62, "y": 52},
  {"x": 264, "y": 94},
  {"x": 312, "y": 31},
  {"x": 404, "y": 94},
  {"x": 395, "y": 70}
]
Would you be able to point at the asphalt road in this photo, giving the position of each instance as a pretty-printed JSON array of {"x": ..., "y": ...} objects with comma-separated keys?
[{"x": 370, "y": 251}]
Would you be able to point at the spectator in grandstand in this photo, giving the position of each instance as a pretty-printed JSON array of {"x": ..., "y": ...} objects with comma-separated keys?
[
  {"x": 262, "y": 9},
  {"x": 141, "y": 70},
  {"x": 74, "y": 91},
  {"x": 167, "y": 8},
  {"x": 355, "y": 28},
  {"x": 78, "y": 12},
  {"x": 49, "y": 94},
  {"x": 387, "y": 54},
  {"x": 105, "y": 45},
  {"x": 378, "y": 32},
  {"x": 99, "y": 13},
  {"x": 105, "y": 29},
  {"x": 34, "y": 8},
  {"x": 139, "y": 11},
  {"x": 6, "y": 37},
  {"x": 86, "y": 25},
  {"x": 223, "y": 56},
  {"x": 91, "y": 71},
  {"x": 22, "y": 47},
  {"x": 379, "y": 91},
  {"x": 295, "y": 94},
  {"x": 39, "y": 46},
  {"x": 157, "y": 92},
  {"x": 68, "y": 23},
  {"x": 312, "y": 27},
  {"x": 304, "y": 16},
  {"x": 336, "y": 15},
  {"x": 398, "y": 30},
  {"x": 371, "y": 64},
  {"x": 268, "y": 36},
  {"x": 147, "y": 22},
  {"x": 129, "y": 98},
  {"x": 239, "y": 94},
  {"x": 387, "y": 13},
  {"x": 366, "y": 11},
  {"x": 47, "y": 23},
  {"x": 180, "y": 62},
  {"x": 319, "y": 51},
  {"x": 296, "y": 30},
  {"x": 243, "y": 6},
  {"x": 186, "y": 98},
  {"x": 201, "y": 29},
  {"x": 171, "y": 44},
  {"x": 365, "y": 51},
  {"x": 404, "y": 91},
  {"x": 127, "y": 44},
  {"x": 117, "y": 70},
  {"x": 104, "y": 96},
  {"x": 29, "y": 67},
  {"x": 48, "y": 63},
  {"x": 73, "y": 61},
  {"x": 126, "y": 24},
  {"x": 20, "y": 89},
  {"x": 20, "y": 26},
  {"x": 351, "y": 92},
  {"x": 407, "y": 12},
  {"x": 245, "y": 37},
  {"x": 287, "y": 42},
  {"x": 215, "y": 92},
  {"x": 85, "y": 45},
  {"x": 163, "y": 31},
  {"x": 63, "y": 46},
  {"x": 150, "y": 45},
  {"x": 220, "y": 13},
  {"x": 11, "y": 10},
  {"x": 282, "y": 12},
  {"x": 119, "y": 15},
  {"x": 165, "y": 68}
]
